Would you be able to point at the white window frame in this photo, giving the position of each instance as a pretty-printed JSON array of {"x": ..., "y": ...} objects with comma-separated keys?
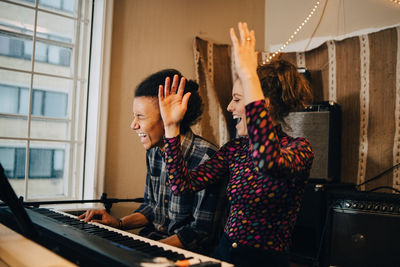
[
  {"x": 92, "y": 185},
  {"x": 96, "y": 136}
]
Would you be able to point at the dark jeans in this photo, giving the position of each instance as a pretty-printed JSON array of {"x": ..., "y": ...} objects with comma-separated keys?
[{"x": 243, "y": 256}]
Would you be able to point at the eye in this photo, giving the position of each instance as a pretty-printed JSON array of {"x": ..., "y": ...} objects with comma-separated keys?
[{"x": 236, "y": 100}]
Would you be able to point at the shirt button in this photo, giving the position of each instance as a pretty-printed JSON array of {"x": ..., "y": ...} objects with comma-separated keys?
[
  {"x": 234, "y": 245},
  {"x": 166, "y": 183},
  {"x": 166, "y": 217},
  {"x": 161, "y": 228},
  {"x": 166, "y": 201}
]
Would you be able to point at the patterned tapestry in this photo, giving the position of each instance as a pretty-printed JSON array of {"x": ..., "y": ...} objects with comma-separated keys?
[{"x": 361, "y": 74}]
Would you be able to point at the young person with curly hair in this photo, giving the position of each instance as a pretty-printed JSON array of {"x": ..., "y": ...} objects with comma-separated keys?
[{"x": 190, "y": 221}]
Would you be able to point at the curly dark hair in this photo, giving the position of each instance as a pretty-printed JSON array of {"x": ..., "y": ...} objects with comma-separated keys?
[
  {"x": 149, "y": 87},
  {"x": 286, "y": 88}
]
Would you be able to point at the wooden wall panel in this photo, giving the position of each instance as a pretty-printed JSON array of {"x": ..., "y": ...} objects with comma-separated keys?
[
  {"x": 348, "y": 98},
  {"x": 317, "y": 62},
  {"x": 383, "y": 49}
]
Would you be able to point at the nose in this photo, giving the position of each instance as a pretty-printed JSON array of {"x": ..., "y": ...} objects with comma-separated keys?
[
  {"x": 134, "y": 124},
  {"x": 230, "y": 107}
]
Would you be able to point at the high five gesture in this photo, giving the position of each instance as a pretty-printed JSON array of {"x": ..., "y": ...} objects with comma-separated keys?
[{"x": 173, "y": 104}]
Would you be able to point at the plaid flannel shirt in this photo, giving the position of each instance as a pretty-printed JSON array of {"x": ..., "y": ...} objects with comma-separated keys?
[{"x": 193, "y": 217}]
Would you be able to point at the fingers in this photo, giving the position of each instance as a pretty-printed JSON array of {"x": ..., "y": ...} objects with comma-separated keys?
[
  {"x": 176, "y": 88},
  {"x": 88, "y": 215},
  {"x": 182, "y": 84},
  {"x": 166, "y": 87},
  {"x": 160, "y": 93},
  {"x": 247, "y": 37},
  {"x": 175, "y": 82},
  {"x": 234, "y": 38},
  {"x": 242, "y": 33},
  {"x": 185, "y": 99},
  {"x": 80, "y": 217}
]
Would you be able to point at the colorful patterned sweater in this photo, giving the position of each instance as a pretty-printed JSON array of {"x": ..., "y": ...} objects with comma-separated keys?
[{"x": 267, "y": 171}]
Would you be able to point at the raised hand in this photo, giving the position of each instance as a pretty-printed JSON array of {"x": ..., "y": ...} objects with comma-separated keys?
[
  {"x": 244, "y": 52},
  {"x": 173, "y": 105},
  {"x": 245, "y": 58}
]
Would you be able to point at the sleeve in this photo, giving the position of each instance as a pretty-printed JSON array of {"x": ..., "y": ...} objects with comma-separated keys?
[
  {"x": 269, "y": 155},
  {"x": 198, "y": 234},
  {"x": 147, "y": 207},
  {"x": 183, "y": 180}
]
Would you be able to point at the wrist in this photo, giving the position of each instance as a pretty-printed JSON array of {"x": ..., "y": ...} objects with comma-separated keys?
[{"x": 172, "y": 131}]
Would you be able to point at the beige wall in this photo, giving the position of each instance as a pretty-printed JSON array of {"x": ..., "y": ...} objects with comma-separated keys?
[{"x": 149, "y": 35}]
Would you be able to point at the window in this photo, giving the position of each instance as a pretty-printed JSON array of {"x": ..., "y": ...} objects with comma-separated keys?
[{"x": 44, "y": 73}]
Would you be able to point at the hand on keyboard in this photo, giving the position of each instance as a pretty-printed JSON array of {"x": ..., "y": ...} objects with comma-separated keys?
[{"x": 99, "y": 216}]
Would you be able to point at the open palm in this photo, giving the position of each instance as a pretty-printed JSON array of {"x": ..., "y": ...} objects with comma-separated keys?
[{"x": 173, "y": 104}]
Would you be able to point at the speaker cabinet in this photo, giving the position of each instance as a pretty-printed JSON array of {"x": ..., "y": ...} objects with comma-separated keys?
[
  {"x": 307, "y": 241},
  {"x": 320, "y": 124},
  {"x": 364, "y": 230}
]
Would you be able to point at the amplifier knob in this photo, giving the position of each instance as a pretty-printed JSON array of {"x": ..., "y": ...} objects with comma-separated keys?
[
  {"x": 369, "y": 206},
  {"x": 362, "y": 206},
  {"x": 355, "y": 205},
  {"x": 383, "y": 208},
  {"x": 347, "y": 204},
  {"x": 376, "y": 207},
  {"x": 391, "y": 208}
]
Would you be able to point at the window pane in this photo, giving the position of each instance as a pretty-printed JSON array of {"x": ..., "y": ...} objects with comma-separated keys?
[
  {"x": 4, "y": 45},
  {"x": 55, "y": 104},
  {"x": 68, "y": 6},
  {"x": 15, "y": 52},
  {"x": 54, "y": 54},
  {"x": 47, "y": 174},
  {"x": 12, "y": 157},
  {"x": 40, "y": 163},
  {"x": 41, "y": 52},
  {"x": 17, "y": 19},
  {"x": 7, "y": 160},
  {"x": 37, "y": 103},
  {"x": 23, "y": 101},
  {"x": 62, "y": 30},
  {"x": 20, "y": 159},
  {"x": 64, "y": 6},
  {"x": 11, "y": 126},
  {"x": 9, "y": 99},
  {"x": 60, "y": 55},
  {"x": 56, "y": 4}
]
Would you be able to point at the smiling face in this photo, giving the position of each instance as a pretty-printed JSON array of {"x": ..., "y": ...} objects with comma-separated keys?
[
  {"x": 237, "y": 108},
  {"x": 147, "y": 121}
]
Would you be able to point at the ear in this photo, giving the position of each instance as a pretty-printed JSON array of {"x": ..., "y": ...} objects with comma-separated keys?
[{"x": 267, "y": 102}]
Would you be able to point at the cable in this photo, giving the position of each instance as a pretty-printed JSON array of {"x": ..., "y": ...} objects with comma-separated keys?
[
  {"x": 316, "y": 27},
  {"x": 384, "y": 187},
  {"x": 378, "y": 176},
  {"x": 324, "y": 230}
]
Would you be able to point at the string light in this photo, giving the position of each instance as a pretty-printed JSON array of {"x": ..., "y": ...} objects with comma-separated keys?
[
  {"x": 290, "y": 39},
  {"x": 396, "y": 1}
]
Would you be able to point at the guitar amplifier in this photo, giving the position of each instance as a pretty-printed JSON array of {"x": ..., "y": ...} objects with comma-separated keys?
[
  {"x": 363, "y": 229},
  {"x": 320, "y": 124}
]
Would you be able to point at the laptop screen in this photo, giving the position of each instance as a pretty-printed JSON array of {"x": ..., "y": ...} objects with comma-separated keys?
[{"x": 8, "y": 196}]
